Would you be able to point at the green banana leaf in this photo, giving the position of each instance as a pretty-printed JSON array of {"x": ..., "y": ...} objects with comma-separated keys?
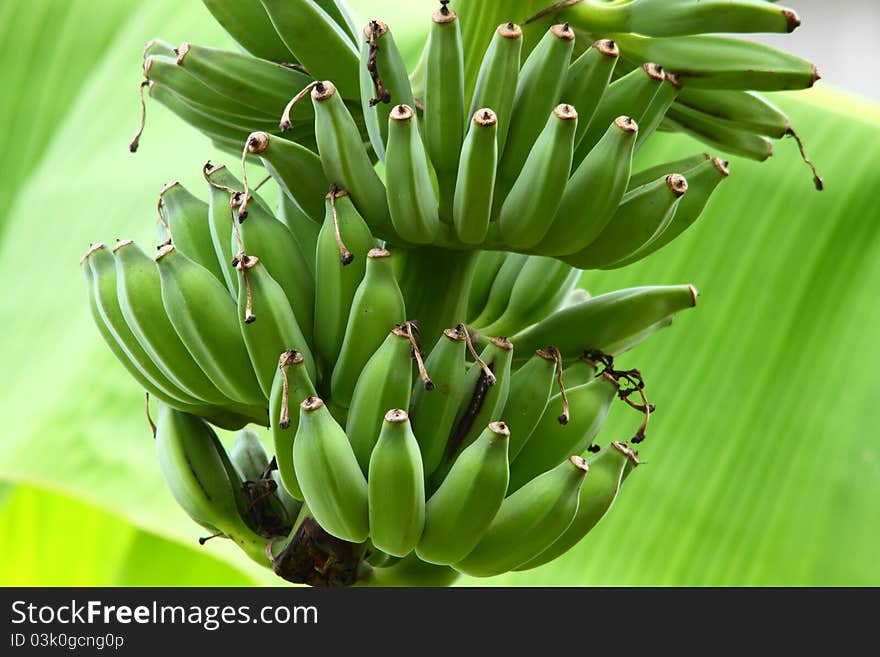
[{"x": 761, "y": 466}]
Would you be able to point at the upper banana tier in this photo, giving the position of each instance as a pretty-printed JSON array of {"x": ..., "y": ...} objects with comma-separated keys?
[{"x": 523, "y": 145}]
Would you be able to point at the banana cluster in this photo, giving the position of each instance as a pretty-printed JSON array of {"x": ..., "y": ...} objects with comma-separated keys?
[{"x": 433, "y": 380}]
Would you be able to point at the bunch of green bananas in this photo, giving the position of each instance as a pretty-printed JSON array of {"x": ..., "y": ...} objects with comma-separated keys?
[{"x": 395, "y": 463}]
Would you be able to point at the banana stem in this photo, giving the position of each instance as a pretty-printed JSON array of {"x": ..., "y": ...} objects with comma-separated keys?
[{"x": 435, "y": 284}]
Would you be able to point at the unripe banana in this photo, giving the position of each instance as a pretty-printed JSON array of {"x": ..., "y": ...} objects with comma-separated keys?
[
  {"x": 116, "y": 346},
  {"x": 719, "y": 134},
  {"x": 594, "y": 191},
  {"x": 486, "y": 269},
  {"x": 376, "y": 306},
  {"x": 103, "y": 275},
  {"x": 589, "y": 405},
  {"x": 433, "y": 412},
  {"x": 303, "y": 228},
  {"x": 262, "y": 235},
  {"x": 486, "y": 385},
  {"x": 537, "y": 92},
  {"x": 384, "y": 382},
  {"x": 261, "y": 84},
  {"x": 744, "y": 110},
  {"x": 295, "y": 168},
  {"x": 542, "y": 285},
  {"x": 323, "y": 47},
  {"x": 202, "y": 479},
  {"x": 384, "y": 82},
  {"x": 411, "y": 199},
  {"x": 139, "y": 292},
  {"x": 246, "y": 22},
  {"x": 715, "y": 62},
  {"x": 606, "y": 320},
  {"x": 396, "y": 487},
  {"x": 586, "y": 81},
  {"x": 530, "y": 389},
  {"x": 597, "y": 495},
  {"x": 267, "y": 322},
  {"x": 463, "y": 507},
  {"x": 289, "y": 388},
  {"x": 630, "y": 96},
  {"x": 502, "y": 286},
  {"x": 342, "y": 15},
  {"x": 529, "y": 521},
  {"x": 475, "y": 181},
  {"x": 643, "y": 214},
  {"x": 702, "y": 179},
  {"x": 340, "y": 264},
  {"x": 207, "y": 327},
  {"x": 538, "y": 190},
  {"x": 444, "y": 102},
  {"x": 226, "y": 135},
  {"x": 334, "y": 487},
  {"x": 656, "y": 111},
  {"x": 187, "y": 218},
  {"x": 497, "y": 80},
  {"x": 221, "y": 184},
  {"x": 345, "y": 161},
  {"x": 650, "y": 174}
]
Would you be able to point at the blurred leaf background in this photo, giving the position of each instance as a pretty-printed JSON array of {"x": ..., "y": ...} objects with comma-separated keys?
[{"x": 762, "y": 466}]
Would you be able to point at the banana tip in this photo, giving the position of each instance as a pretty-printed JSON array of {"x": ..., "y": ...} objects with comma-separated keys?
[
  {"x": 580, "y": 463},
  {"x": 792, "y": 20},
  {"x": 94, "y": 247},
  {"x": 311, "y": 404},
  {"x": 121, "y": 243},
  {"x": 500, "y": 428},
  {"x": 694, "y": 293}
]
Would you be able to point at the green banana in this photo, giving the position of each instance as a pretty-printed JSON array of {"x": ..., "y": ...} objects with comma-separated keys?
[
  {"x": 540, "y": 288},
  {"x": 104, "y": 289},
  {"x": 384, "y": 382},
  {"x": 497, "y": 79},
  {"x": 486, "y": 269},
  {"x": 340, "y": 264},
  {"x": 715, "y": 62},
  {"x": 290, "y": 386},
  {"x": 650, "y": 174},
  {"x": 261, "y": 234},
  {"x": 411, "y": 198},
  {"x": 720, "y": 134},
  {"x": 409, "y": 571},
  {"x": 164, "y": 70},
  {"x": 460, "y": 511},
  {"x": 643, "y": 214},
  {"x": 661, "y": 18},
  {"x": 485, "y": 388},
  {"x": 326, "y": 49},
  {"x": 247, "y": 23},
  {"x": 656, "y": 111},
  {"x": 187, "y": 220},
  {"x": 295, "y": 168},
  {"x": 502, "y": 286},
  {"x": 475, "y": 180},
  {"x": 396, "y": 486},
  {"x": 597, "y": 495},
  {"x": 259, "y": 83},
  {"x": 444, "y": 102},
  {"x": 331, "y": 480},
  {"x": 384, "y": 82},
  {"x": 586, "y": 81},
  {"x": 606, "y": 320},
  {"x": 222, "y": 187},
  {"x": 376, "y": 305},
  {"x": 139, "y": 292},
  {"x": 302, "y": 227},
  {"x": 346, "y": 163},
  {"x": 202, "y": 479},
  {"x": 703, "y": 179},
  {"x": 208, "y": 328},
  {"x": 529, "y": 521},
  {"x": 217, "y": 130},
  {"x": 530, "y": 388},
  {"x": 538, "y": 189},
  {"x": 594, "y": 191},
  {"x": 537, "y": 92},
  {"x": 433, "y": 412},
  {"x": 551, "y": 441},
  {"x": 268, "y": 324},
  {"x": 342, "y": 15},
  {"x": 744, "y": 110},
  {"x": 630, "y": 95}
]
